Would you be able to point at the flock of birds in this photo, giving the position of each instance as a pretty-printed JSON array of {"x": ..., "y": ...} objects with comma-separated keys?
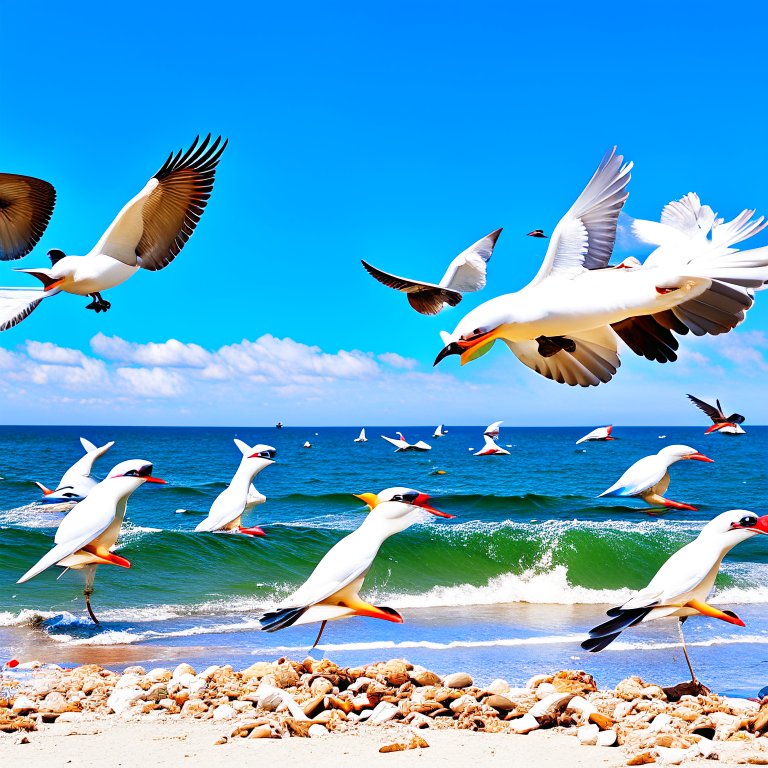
[{"x": 565, "y": 325}]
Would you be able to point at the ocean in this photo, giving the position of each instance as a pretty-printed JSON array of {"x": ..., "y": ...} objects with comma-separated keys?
[{"x": 507, "y": 589}]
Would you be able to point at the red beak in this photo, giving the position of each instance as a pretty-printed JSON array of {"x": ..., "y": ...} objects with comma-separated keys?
[
  {"x": 421, "y": 501},
  {"x": 151, "y": 479},
  {"x": 761, "y": 526},
  {"x": 699, "y": 457}
]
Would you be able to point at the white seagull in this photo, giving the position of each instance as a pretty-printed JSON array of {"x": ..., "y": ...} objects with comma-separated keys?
[
  {"x": 440, "y": 432},
  {"x": 362, "y": 438},
  {"x": 331, "y": 592},
  {"x": 491, "y": 449},
  {"x": 492, "y": 430},
  {"x": 87, "y": 534},
  {"x": 403, "y": 445},
  {"x": 228, "y": 507},
  {"x": 727, "y": 425},
  {"x": 601, "y": 433},
  {"x": 649, "y": 477},
  {"x": 566, "y": 323},
  {"x": 465, "y": 274},
  {"x": 148, "y": 233},
  {"x": 77, "y": 481},
  {"x": 683, "y": 584}
]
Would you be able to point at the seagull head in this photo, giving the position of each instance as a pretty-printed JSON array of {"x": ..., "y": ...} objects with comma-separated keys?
[
  {"x": 477, "y": 332},
  {"x": 135, "y": 470},
  {"x": 398, "y": 503},
  {"x": 736, "y": 525},
  {"x": 673, "y": 453}
]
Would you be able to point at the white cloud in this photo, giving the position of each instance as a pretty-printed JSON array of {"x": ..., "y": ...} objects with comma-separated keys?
[
  {"x": 45, "y": 352},
  {"x": 398, "y": 361},
  {"x": 172, "y": 353}
]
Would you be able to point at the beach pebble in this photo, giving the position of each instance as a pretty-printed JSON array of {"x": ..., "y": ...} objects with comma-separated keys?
[
  {"x": 622, "y": 710},
  {"x": 668, "y": 756},
  {"x": 631, "y": 688},
  {"x": 182, "y": 669},
  {"x": 21, "y": 740},
  {"x": 458, "y": 680},
  {"x": 321, "y": 686},
  {"x": 140, "y": 671},
  {"x": 361, "y": 682},
  {"x": 207, "y": 674},
  {"x": 581, "y": 705},
  {"x": 498, "y": 686},
  {"x": 220, "y": 740},
  {"x": 260, "y": 732},
  {"x": 317, "y": 730},
  {"x": 524, "y": 724},
  {"x": 382, "y": 712},
  {"x": 606, "y": 738},
  {"x": 128, "y": 681},
  {"x": 24, "y": 704},
  {"x": 500, "y": 703},
  {"x": 552, "y": 703},
  {"x": 121, "y": 699},
  {"x": 54, "y": 702},
  {"x": 537, "y": 680},
  {"x": 544, "y": 690},
  {"x": 159, "y": 674},
  {"x": 588, "y": 734},
  {"x": 185, "y": 679},
  {"x": 642, "y": 759},
  {"x": 660, "y": 722},
  {"x": 286, "y": 676},
  {"x": 460, "y": 704},
  {"x": 424, "y": 677},
  {"x": 224, "y": 712}
]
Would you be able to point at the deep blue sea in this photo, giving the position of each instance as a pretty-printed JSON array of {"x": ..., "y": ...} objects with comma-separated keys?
[{"x": 506, "y": 589}]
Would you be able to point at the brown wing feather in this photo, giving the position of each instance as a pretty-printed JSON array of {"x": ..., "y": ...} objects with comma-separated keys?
[
  {"x": 26, "y": 205},
  {"x": 174, "y": 207},
  {"x": 649, "y": 336},
  {"x": 716, "y": 415}
]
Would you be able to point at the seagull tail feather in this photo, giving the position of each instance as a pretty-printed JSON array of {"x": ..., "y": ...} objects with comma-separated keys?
[
  {"x": 604, "y": 634},
  {"x": 272, "y": 621}
]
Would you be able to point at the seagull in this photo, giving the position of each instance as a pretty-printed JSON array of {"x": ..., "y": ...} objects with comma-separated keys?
[
  {"x": 492, "y": 430},
  {"x": 403, "y": 445},
  {"x": 649, "y": 477},
  {"x": 331, "y": 592},
  {"x": 682, "y": 585},
  {"x": 601, "y": 433},
  {"x": 566, "y": 323},
  {"x": 536, "y": 233},
  {"x": 228, "y": 507},
  {"x": 26, "y": 205},
  {"x": 440, "y": 432},
  {"x": 491, "y": 449},
  {"x": 362, "y": 438},
  {"x": 149, "y": 232},
  {"x": 465, "y": 274},
  {"x": 727, "y": 425},
  {"x": 88, "y": 533},
  {"x": 77, "y": 481}
]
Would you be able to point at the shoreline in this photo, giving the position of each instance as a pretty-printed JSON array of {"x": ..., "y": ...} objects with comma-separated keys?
[{"x": 317, "y": 710}]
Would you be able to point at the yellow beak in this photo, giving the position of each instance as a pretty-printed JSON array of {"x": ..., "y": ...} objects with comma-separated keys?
[{"x": 369, "y": 498}]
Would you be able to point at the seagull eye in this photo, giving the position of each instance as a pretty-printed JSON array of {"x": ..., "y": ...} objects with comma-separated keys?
[
  {"x": 130, "y": 473},
  {"x": 397, "y": 497},
  {"x": 410, "y": 496},
  {"x": 748, "y": 521}
]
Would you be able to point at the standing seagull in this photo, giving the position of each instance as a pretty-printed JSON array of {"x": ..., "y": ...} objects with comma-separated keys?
[
  {"x": 601, "y": 433},
  {"x": 87, "y": 534},
  {"x": 682, "y": 585},
  {"x": 77, "y": 481},
  {"x": 403, "y": 445},
  {"x": 148, "y": 233},
  {"x": 26, "y": 205},
  {"x": 331, "y": 592},
  {"x": 465, "y": 274},
  {"x": 649, "y": 477},
  {"x": 728, "y": 425},
  {"x": 491, "y": 449},
  {"x": 227, "y": 509},
  {"x": 566, "y": 323}
]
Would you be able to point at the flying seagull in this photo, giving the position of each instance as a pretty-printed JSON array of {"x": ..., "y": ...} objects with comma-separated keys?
[
  {"x": 728, "y": 425},
  {"x": 465, "y": 274},
  {"x": 148, "y": 233}
]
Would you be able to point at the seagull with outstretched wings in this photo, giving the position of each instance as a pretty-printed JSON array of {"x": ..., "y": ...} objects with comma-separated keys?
[
  {"x": 728, "y": 425},
  {"x": 148, "y": 233},
  {"x": 465, "y": 274}
]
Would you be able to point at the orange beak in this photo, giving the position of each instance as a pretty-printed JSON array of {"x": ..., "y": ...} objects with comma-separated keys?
[
  {"x": 151, "y": 479},
  {"x": 421, "y": 501},
  {"x": 699, "y": 457}
]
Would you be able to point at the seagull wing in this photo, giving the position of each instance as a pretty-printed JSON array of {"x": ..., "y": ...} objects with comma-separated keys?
[
  {"x": 584, "y": 237},
  {"x": 425, "y": 298},
  {"x": 26, "y": 205},
  {"x": 18, "y": 303},
  {"x": 467, "y": 272},
  {"x": 399, "y": 444},
  {"x": 716, "y": 414},
  {"x": 641, "y": 476},
  {"x": 152, "y": 228}
]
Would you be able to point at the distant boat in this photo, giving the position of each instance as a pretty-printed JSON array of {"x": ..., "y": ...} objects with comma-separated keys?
[
  {"x": 601, "y": 433},
  {"x": 439, "y": 432},
  {"x": 362, "y": 438},
  {"x": 491, "y": 449},
  {"x": 493, "y": 430},
  {"x": 307, "y": 445},
  {"x": 727, "y": 425},
  {"x": 402, "y": 445},
  {"x": 279, "y": 425}
]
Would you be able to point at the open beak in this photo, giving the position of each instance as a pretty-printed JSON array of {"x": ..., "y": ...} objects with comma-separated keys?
[
  {"x": 51, "y": 286},
  {"x": 150, "y": 479},
  {"x": 421, "y": 501},
  {"x": 699, "y": 457},
  {"x": 369, "y": 498},
  {"x": 469, "y": 349}
]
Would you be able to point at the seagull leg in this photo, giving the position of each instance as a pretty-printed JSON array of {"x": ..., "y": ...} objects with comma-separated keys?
[
  {"x": 90, "y": 572},
  {"x": 98, "y": 304},
  {"x": 685, "y": 650},
  {"x": 319, "y": 634},
  {"x": 88, "y": 593}
]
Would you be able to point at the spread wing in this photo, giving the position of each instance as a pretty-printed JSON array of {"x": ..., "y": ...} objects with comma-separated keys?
[
  {"x": 176, "y": 204},
  {"x": 425, "y": 298},
  {"x": 18, "y": 303},
  {"x": 716, "y": 414},
  {"x": 584, "y": 237},
  {"x": 26, "y": 205},
  {"x": 467, "y": 272}
]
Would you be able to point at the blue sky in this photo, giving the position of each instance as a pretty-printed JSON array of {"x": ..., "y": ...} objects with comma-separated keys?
[{"x": 394, "y": 132}]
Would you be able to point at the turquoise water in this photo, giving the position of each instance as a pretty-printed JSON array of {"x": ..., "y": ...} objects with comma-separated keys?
[{"x": 507, "y": 588}]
